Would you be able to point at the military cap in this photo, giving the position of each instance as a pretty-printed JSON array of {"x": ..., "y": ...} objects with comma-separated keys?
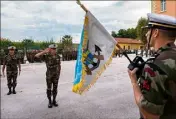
[
  {"x": 54, "y": 46},
  {"x": 159, "y": 21},
  {"x": 11, "y": 48}
]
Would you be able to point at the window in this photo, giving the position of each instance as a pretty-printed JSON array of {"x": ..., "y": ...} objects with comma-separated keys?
[
  {"x": 128, "y": 47},
  {"x": 163, "y": 5}
]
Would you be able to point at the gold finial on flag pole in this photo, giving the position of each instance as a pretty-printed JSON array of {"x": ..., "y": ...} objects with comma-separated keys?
[{"x": 82, "y": 6}]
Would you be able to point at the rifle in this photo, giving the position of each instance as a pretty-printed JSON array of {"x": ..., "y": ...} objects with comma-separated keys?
[{"x": 137, "y": 62}]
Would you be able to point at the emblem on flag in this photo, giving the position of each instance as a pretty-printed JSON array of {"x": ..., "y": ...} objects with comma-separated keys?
[{"x": 95, "y": 53}]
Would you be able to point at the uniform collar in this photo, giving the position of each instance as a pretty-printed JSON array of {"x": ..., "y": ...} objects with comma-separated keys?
[
  {"x": 166, "y": 47},
  {"x": 11, "y": 55}
]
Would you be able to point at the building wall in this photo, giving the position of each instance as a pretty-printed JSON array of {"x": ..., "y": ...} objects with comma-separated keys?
[
  {"x": 130, "y": 46},
  {"x": 170, "y": 7}
]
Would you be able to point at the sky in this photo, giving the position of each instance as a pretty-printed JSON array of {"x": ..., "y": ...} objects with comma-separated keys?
[{"x": 43, "y": 20}]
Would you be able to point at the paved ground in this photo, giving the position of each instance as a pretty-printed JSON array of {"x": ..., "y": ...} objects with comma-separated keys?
[{"x": 110, "y": 98}]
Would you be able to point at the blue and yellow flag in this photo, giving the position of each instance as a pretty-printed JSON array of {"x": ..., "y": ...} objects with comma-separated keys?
[{"x": 95, "y": 53}]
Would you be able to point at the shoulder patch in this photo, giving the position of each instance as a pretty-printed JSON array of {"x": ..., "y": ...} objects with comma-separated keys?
[
  {"x": 149, "y": 71},
  {"x": 170, "y": 63},
  {"x": 146, "y": 85}
]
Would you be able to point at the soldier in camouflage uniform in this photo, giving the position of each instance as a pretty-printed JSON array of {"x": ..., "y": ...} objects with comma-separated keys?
[
  {"x": 2, "y": 54},
  {"x": 21, "y": 56},
  {"x": 75, "y": 55},
  {"x": 155, "y": 91},
  {"x": 11, "y": 61},
  {"x": 63, "y": 55},
  {"x": 53, "y": 64}
]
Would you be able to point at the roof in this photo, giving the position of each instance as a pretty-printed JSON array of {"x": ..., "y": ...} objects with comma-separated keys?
[{"x": 128, "y": 41}]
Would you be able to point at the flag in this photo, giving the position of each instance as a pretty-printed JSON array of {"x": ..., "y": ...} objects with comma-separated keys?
[{"x": 95, "y": 53}]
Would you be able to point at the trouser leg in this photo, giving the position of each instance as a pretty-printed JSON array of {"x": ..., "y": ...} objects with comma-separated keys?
[
  {"x": 9, "y": 82},
  {"x": 14, "y": 81},
  {"x": 55, "y": 85},
  {"x": 49, "y": 85}
]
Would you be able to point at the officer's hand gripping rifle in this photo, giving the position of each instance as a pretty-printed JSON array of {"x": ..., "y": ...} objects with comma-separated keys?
[{"x": 137, "y": 62}]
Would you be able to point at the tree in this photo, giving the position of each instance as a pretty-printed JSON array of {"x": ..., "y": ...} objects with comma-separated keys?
[
  {"x": 131, "y": 33},
  {"x": 122, "y": 33},
  {"x": 51, "y": 41},
  {"x": 67, "y": 42},
  {"x": 27, "y": 43},
  {"x": 141, "y": 32},
  {"x": 114, "y": 34},
  {"x": 5, "y": 43},
  {"x": 44, "y": 44},
  {"x": 18, "y": 45}
]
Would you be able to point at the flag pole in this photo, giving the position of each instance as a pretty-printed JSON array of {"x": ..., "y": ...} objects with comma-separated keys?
[{"x": 82, "y": 6}]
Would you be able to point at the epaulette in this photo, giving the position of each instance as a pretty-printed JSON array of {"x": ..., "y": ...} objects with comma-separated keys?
[{"x": 156, "y": 68}]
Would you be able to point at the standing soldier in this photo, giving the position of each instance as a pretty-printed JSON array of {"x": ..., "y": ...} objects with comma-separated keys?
[
  {"x": 63, "y": 55},
  {"x": 142, "y": 52},
  {"x": 53, "y": 64},
  {"x": 75, "y": 55},
  {"x": 118, "y": 52},
  {"x": 155, "y": 90},
  {"x": 11, "y": 61},
  {"x": 69, "y": 55},
  {"x": 2, "y": 54},
  {"x": 136, "y": 52}
]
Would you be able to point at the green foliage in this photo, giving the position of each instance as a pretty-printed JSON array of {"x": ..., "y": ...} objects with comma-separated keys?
[
  {"x": 27, "y": 43},
  {"x": 18, "y": 45},
  {"x": 141, "y": 32},
  {"x": 67, "y": 42},
  {"x": 114, "y": 34},
  {"x": 133, "y": 33},
  {"x": 5, "y": 43},
  {"x": 44, "y": 44},
  {"x": 122, "y": 33}
]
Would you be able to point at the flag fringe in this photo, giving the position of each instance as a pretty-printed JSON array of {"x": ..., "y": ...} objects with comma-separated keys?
[
  {"x": 102, "y": 69},
  {"x": 77, "y": 87}
]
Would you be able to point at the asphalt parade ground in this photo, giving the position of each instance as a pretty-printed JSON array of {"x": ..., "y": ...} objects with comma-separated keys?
[{"x": 110, "y": 98}]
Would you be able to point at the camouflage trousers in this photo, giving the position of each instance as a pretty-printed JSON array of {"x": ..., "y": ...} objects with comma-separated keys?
[
  {"x": 52, "y": 83},
  {"x": 12, "y": 78}
]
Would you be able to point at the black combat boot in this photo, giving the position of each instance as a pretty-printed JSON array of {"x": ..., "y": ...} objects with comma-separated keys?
[
  {"x": 9, "y": 91},
  {"x": 54, "y": 98},
  {"x": 54, "y": 102},
  {"x": 14, "y": 92},
  {"x": 50, "y": 103},
  {"x": 49, "y": 98}
]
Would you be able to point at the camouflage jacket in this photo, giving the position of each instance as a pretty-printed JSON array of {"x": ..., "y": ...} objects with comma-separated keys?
[
  {"x": 11, "y": 62},
  {"x": 158, "y": 83},
  {"x": 52, "y": 63}
]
